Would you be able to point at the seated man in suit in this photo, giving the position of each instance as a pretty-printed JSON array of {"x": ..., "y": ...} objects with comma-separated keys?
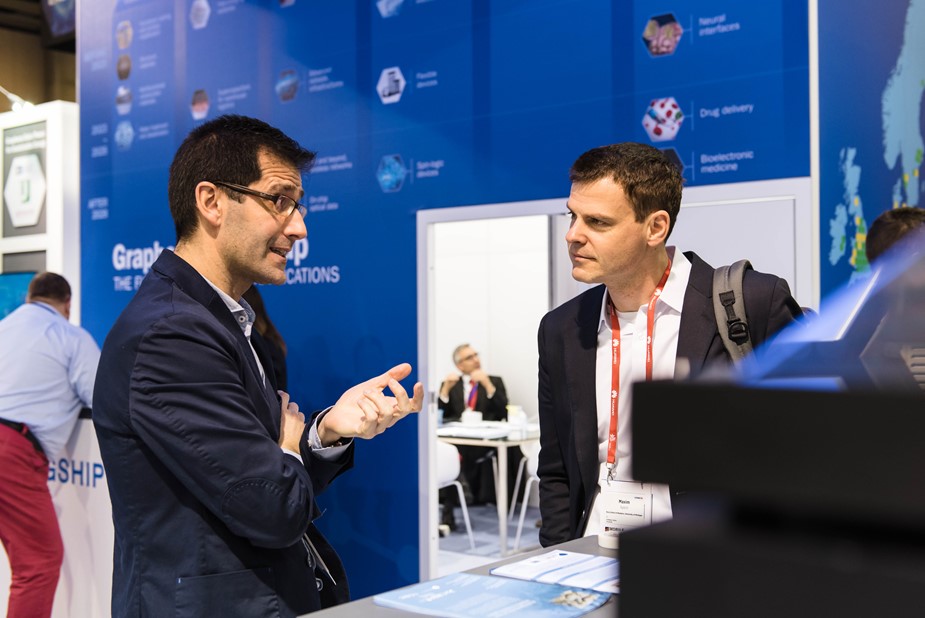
[{"x": 472, "y": 389}]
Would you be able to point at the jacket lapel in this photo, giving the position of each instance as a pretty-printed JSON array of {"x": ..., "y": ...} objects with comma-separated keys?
[
  {"x": 189, "y": 281},
  {"x": 580, "y": 351}
]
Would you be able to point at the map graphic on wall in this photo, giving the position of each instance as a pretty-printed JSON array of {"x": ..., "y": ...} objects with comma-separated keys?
[{"x": 871, "y": 134}]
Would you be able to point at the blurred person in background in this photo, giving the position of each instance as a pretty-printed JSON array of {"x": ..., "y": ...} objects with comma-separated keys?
[{"x": 47, "y": 371}]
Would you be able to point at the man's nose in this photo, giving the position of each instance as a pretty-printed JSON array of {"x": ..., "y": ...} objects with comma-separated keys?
[
  {"x": 574, "y": 232},
  {"x": 295, "y": 226}
]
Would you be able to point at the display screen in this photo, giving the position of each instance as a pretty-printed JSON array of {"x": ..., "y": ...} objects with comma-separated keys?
[{"x": 13, "y": 288}]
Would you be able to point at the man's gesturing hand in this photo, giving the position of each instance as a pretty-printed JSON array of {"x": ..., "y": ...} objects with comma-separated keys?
[{"x": 364, "y": 411}]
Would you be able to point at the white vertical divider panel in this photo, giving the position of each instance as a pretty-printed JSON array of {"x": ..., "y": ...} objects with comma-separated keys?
[{"x": 77, "y": 480}]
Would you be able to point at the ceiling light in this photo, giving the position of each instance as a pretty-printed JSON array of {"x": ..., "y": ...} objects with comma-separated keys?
[{"x": 16, "y": 101}]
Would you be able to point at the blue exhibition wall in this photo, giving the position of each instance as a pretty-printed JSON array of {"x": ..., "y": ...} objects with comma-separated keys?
[
  {"x": 871, "y": 138},
  {"x": 411, "y": 104}
]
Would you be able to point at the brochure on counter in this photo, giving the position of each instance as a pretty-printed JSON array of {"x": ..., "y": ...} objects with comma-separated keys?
[
  {"x": 567, "y": 568},
  {"x": 465, "y": 595}
]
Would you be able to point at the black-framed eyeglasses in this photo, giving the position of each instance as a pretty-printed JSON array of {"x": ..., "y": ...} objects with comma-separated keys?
[{"x": 283, "y": 204}]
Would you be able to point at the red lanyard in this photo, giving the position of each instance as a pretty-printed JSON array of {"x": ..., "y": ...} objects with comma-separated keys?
[{"x": 615, "y": 375}]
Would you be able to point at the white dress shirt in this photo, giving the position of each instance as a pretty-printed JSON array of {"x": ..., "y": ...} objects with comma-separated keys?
[{"x": 633, "y": 327}]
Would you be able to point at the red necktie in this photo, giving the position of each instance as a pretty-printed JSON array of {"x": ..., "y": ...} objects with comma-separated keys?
[{"x": 473, "y": 394}]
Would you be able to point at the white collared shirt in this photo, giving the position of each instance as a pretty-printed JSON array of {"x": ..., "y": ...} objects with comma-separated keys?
[
  {"x": 633, "y": 328},
  {"x": 244, "y": 316}
]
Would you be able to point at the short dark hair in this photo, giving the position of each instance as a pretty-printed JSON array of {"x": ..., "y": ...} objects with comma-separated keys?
[
  {"x": 50, "y": 286},
  {"x": 649, "y": 179},
  {"x": 891, "y": 226},
  {"x": 225, "y": 149}
]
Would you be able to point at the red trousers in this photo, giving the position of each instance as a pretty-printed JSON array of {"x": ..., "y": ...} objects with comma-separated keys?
[{"x": 28, "y": 527}]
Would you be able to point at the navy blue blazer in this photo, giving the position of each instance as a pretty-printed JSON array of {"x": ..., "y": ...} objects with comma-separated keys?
[
  {"x": 567, "y": 339},
  {"x": 208, "y": 511}
]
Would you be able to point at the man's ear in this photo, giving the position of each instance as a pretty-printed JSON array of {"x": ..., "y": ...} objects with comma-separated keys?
[
  {"x": 209, "y": 204},
  {"x": 657, "y": 225}
]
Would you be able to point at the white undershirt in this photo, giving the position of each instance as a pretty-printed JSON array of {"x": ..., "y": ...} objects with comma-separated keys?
[
  {"x": 633, "y": 369},
  {"x": 467, "y": 388}
]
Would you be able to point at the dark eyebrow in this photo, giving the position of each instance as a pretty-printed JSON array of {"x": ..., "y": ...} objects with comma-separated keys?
[{"x": 279, "y": 187}]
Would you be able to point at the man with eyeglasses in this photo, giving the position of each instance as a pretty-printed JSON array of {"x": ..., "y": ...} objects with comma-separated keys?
[
  {"x": 471, "y": 388},
  {"x": 212, "y": 472}
]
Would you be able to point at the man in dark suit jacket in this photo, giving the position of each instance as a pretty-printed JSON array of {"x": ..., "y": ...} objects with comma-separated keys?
[
  {"x": 624, "y": 202},
  {"x": 456, "y": 397},
  {"x": 212, "y": 473}
]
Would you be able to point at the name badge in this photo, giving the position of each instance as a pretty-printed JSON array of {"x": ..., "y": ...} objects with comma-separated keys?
[{"x": 626, "y": 504}]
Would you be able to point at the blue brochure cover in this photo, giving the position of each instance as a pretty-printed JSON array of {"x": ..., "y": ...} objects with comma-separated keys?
[{"x": 464, "y": 595}]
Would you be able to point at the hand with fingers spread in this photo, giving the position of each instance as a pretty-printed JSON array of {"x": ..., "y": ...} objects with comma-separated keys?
[
  {"x": 291, "y": 423},
  {"x": 365, "y": 411}
]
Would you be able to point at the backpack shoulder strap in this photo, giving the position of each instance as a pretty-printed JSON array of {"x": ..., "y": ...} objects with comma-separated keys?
[{"x": 729, "y": 307}]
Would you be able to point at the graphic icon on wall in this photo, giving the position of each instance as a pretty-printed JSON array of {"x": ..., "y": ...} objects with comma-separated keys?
[
  {"x": 391, "y": 85},
  {"x": 125, "y": 135},
  {"x": 391, "y": 173},
  {"x": 199, "y": 13},
  {"x": 25, "y": 190},
  {"x": 124, "y": 34},
  {"x": 287, "y": 85},
  {"x": 389, "y": 8},
  {"x": 199, "y": 107},
  {"x": 123, "y": 100},
  {"x": 663, "y": 119},
  {"x": 123, "y": 66},
  {"x": 662, "y": 34}
]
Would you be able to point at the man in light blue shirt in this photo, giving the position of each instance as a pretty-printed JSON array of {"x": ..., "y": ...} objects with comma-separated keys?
[{"x": 47, "y": 371}]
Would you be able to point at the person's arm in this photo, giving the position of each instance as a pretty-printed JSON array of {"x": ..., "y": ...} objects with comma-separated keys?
[
  {"x": 452, "y": 404},
  {"x": 496, "y": 406},
  {"x": 778, "y": 309},
  {"x": 553, "y": 486},
  {"x": 784, "y": 308},
  {"x": 81, "y": 371}
]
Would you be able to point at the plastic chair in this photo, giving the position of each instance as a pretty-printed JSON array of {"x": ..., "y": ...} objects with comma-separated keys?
[
  {"x": 529, "y": 463},
  {"x": 527, "y": 450},
  {"x": 448, "y": 474}
]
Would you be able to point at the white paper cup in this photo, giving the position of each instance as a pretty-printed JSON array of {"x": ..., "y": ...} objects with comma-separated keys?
[
  {"x": 609, "y": 539},
  {"x": 471, "y": 416}
]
